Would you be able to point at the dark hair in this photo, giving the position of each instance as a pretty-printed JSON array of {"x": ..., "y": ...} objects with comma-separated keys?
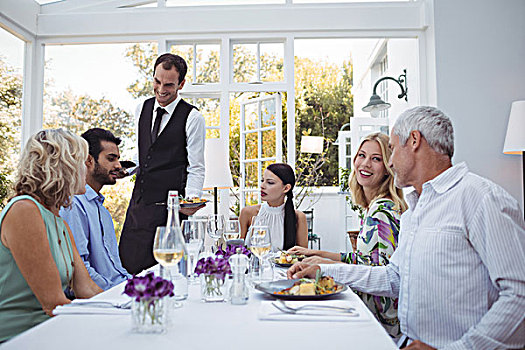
[
  {"x": 285, "y": 173},
  {"x": 94, "y": 136},
  {"x": 169, "y": 61}
]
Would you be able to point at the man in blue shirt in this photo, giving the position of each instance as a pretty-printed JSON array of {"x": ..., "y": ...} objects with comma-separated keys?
[{"x": 89, "y": 220}]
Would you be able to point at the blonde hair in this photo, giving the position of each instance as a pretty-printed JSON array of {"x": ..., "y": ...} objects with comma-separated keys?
[
  {"x": 387, "y": 189},
  {"x": 49, "y": 168}
]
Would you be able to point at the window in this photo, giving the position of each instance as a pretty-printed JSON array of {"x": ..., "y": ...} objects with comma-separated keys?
[
  {"x": 258, "y": 62},
  {"x": 203, "y": 62},
  {"x": 260, "y": 137},
  {"x": 210, "y": 110}
]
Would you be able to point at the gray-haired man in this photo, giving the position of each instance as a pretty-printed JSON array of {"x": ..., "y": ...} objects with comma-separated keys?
[{"x": 458, "y": 270}]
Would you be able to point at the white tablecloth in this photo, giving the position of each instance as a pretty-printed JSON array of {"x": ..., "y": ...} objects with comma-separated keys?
[{"x": 199, "y": 325}]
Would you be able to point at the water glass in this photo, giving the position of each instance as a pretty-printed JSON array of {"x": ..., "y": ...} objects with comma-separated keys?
[
  {"x": 215, "y": 227},
  {"x": 193, "y": 233}
]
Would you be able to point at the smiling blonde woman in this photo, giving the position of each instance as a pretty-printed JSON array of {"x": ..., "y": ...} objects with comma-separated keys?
[{"x": 372, "y": 188}]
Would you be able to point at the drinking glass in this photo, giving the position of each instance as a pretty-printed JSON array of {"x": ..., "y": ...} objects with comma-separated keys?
[
  {"x": 259, "y": 242},
  {"x": 168, "y": 250},
  {"x": 193, "y": 233},
  {"x": 232, "y": 230},
  {"x": 215, "y": 227}
]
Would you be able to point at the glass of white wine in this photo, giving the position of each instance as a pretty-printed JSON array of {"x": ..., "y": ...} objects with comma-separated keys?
[
  {"x": 232, "y": 230},
  {"x": 168, "y": 250},
  {"x": 259, "y": 242},
  {"x": 193, "y": 233}
]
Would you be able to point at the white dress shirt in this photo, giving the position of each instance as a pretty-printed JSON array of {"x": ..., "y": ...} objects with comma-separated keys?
[
  {"x": 459, "y": 270},
  {"x": 195, "y": 140}
]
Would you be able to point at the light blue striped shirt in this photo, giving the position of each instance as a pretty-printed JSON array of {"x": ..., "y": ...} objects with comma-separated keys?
[
  {"x": 459, "y": 270},
  {"x": 94, "y": 234}
]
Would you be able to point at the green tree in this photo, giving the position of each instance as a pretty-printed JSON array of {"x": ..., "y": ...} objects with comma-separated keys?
[
  {"x": 79, "y": 113},
  {"x": 10, "y": 122},
  {"x": 143, "y": 57},
  {"x": 324, "y": 102}
]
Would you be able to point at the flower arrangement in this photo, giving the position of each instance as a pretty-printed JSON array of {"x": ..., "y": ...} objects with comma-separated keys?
[
  {"x": 147, "y": 309},
  {"x": 213, "y": 271}
]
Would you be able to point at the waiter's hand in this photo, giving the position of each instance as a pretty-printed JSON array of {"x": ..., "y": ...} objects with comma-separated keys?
[
  {"x": 191, "y": 211},
  {"x": 417, "y": 345}
]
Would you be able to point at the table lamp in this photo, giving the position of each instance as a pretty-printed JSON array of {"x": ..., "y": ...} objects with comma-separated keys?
[
  {"x": 312, "y": 144},
  {"x": 515, "y": 139},
  {"x": 217, "y": 174}
]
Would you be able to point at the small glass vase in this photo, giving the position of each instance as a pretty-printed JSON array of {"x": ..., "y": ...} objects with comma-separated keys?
[
  {"x": 213, "y": 289},
  {"x": 149, "y": 316}
]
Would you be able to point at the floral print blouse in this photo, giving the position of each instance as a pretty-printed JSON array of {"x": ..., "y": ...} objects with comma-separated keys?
[{"x": 376, "y": 242}]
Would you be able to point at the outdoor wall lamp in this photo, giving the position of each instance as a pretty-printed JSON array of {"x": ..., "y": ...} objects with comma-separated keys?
[{"x": 376, "y": 104}]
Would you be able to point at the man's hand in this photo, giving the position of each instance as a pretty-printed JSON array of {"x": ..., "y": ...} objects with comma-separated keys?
[
  {"x": 191, "y": 211},
  {"x": 300, "y": 270},
  {"x": 313, "y": 260},
  {"x": 417, "y": 345}
]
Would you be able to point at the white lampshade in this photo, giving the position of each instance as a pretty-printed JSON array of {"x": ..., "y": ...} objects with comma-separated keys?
[
  {"x": 312, "y": 144},
  {"x": 217, "y": 162},
  {"x": 515, "y": 139}
]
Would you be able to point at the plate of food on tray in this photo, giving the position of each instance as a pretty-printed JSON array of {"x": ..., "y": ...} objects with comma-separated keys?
[
  {"x": 302, "y": 289},
  {"x": 286, "y": 259},
  {"x": 192, "y": 202}
]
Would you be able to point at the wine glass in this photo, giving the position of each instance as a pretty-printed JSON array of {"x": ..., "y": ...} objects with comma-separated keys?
[
  {"x": 259, "y": 242},
  {"x": 168, "y": 250},
  {"x": 232, "y": 230},
  {"x": 193, "y": 233},
  {"x": 215, "y": 227}
]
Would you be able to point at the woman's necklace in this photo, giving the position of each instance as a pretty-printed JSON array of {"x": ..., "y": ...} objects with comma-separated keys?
[{"x": 70, "y": 253}]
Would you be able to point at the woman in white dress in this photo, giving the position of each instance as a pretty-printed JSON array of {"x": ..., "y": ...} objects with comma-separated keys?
[{"x": 287, "y": 226}]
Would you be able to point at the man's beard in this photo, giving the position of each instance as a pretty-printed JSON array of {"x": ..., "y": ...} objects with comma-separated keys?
[{"x": 101, "y": 176}]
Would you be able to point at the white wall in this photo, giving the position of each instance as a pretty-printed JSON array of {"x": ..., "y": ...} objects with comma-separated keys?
[
  {"x": 329, "y": 217},
  {"x": 480, "y": 69},
  {"x": 403, "y": 54}
]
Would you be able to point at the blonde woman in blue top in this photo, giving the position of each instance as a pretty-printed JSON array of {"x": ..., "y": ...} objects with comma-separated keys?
[{"x": 37, "y": 252}]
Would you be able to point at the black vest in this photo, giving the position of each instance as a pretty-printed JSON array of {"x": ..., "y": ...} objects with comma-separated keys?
[{"x": 163, "y": 165}]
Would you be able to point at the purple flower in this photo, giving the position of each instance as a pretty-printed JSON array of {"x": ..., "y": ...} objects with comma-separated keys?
[
  {"x": 219, "y": 265},
  {"x": 148, "y": 287}
]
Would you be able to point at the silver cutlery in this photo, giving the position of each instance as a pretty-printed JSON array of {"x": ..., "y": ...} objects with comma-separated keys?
[
  {"x": 316, "y": 306},
  {"x": 286, "y": 310}
]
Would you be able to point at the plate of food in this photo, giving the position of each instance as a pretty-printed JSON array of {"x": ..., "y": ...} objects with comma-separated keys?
[
  {"x": 192, "y": 202},
  {"x": 286, "y": 259},
  {"x": 302, "y": 289}
]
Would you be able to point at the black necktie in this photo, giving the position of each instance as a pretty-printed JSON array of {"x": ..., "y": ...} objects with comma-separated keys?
[{"x": 156, "y": 126}]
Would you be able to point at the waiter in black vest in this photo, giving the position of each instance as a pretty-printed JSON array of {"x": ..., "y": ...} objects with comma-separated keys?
[{"x": 171, "y": 135}]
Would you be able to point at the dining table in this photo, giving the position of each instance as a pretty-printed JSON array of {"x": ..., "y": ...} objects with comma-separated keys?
[{"x": 204, "y": 325}]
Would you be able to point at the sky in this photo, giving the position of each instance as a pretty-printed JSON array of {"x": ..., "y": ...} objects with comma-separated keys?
[{"x": 102, "y": 70}]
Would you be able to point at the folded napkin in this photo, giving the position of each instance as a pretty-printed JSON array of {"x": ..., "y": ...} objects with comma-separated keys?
[
  {"x": 269, "y": 312},
  {"x": 120, "y": 306}
]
